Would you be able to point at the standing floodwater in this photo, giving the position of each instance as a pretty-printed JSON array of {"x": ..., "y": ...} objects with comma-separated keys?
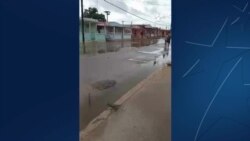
[{"x": 110, "y": 69}]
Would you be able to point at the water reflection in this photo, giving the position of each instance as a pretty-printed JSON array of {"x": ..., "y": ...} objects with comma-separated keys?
[
  {"x": 104, "y": 78},
  {"x": 114, "y": 46},
  {"x": 143, "y": 42}
]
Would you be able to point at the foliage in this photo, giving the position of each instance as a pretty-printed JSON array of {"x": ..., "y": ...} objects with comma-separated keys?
[{"x": 92, "y": 12}]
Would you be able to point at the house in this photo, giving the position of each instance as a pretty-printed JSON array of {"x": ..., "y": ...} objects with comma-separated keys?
[
  {"x": 114, "y": 31},
  {"x": 163, "y": 32},
  {"x": 138, "y": 31},
  {"x": 144, "y": 32},
  {"x": 151, "y": 32},
  {"x": 90, "y": 31}
]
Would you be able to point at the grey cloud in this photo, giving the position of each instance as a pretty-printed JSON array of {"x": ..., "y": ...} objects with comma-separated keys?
[
  {"x": 120, "y": 4},
  {"x": 154, "y": 10}
]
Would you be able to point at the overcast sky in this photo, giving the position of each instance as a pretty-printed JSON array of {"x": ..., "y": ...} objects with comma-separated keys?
[{"x": 158, "y": 11}]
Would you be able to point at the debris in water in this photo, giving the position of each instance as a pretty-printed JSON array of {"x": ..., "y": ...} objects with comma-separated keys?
[
  {"x": 113, "y": 106},
  {"x": 101, "y": 51},
  {"x": 104, "y": 84},
  {"x": 155, "y": 60}
]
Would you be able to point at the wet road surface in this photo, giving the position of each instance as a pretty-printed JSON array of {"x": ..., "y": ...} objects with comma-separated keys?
[{"x": 127, "y": 66}]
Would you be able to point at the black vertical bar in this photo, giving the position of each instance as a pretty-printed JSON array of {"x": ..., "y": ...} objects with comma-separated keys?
[{"x": 82, "y": 24}]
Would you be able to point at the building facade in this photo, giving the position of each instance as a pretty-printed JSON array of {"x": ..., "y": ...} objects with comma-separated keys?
[
  {"x": 145, "y": 32},
  {"x": 114, "y": 31},
  {"x": 90, "y": 31}
]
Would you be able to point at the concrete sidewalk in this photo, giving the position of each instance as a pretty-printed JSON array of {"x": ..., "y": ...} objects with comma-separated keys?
[{"x": 145, "y": 116}]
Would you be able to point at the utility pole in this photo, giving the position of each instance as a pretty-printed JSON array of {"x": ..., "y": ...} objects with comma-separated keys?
[
  {"x": 107, "y": 13},
  {"x": 122, "y": 30},
  {"x": 82, "y": 24}
]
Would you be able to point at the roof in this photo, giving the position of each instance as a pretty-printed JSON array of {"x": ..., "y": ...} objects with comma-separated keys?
[
  {"x": 142, "y": 26},
  {"x": 148, "y": 26},
  {"x": 115, "y": 24},
  {"x": 136, "y": 26},
  {"x": 112, "y": 24},
  {"x": 90, "y": 20}
]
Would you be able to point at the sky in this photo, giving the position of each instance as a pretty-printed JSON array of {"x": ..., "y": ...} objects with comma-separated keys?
[{"x": 156, "y": 11}]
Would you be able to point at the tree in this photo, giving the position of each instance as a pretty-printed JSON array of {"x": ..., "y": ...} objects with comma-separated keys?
[{"x": 92, "y": 12}]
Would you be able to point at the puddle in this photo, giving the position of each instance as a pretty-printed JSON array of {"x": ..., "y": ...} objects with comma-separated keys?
[
  {"x": 119, "y": 72},
  {"x": 114, "y": 46},
  {"x": 104, "y": 84}
]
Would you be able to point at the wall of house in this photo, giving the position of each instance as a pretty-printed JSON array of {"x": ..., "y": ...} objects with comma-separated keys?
[
  {"x": 100, "y": 37},
  {"x": 127, "y": 36},
  {"x": 117, "y": 34},
  {"x": 139, "y": 33},
  {"x": 91, "y": 33}
]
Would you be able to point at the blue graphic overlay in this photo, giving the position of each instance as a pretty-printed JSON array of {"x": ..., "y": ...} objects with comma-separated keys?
[
  {"x": 39, "y": 70},
  {"x": 211, "y": 65}
]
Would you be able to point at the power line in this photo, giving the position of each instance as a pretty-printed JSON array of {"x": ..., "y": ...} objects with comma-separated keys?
[
  {"x": 151, "y": 3},
  {"x": 135, "y": 10},
  {"x": 132, "y": 13},
  {"x": 164, "y": 5}
]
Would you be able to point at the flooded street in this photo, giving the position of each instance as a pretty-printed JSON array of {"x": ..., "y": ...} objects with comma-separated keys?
[
  {"x": 109, "y": 70},
  {"x": 93, "y": 48}
]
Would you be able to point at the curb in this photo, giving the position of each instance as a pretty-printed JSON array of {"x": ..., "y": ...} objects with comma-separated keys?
[{"x": 105, "y": 114}]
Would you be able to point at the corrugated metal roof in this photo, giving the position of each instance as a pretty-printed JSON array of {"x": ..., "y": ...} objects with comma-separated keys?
[
  {"x": 90, "y": 20},
  {"x": 112, "y": 24},
  {"x": 148, "y": 26},
  {"x": 115, "y": 24}
]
